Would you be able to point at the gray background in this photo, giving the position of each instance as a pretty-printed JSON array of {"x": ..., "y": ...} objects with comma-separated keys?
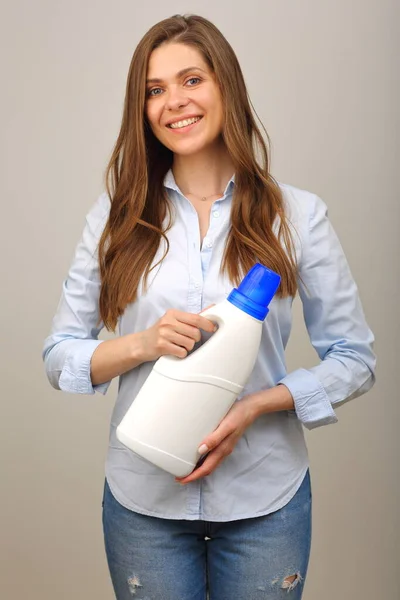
[{"x": 324, "y": 78}]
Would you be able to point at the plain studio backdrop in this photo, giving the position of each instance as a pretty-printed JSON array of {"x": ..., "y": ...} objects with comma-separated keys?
[{"x": 324, "y": 79}]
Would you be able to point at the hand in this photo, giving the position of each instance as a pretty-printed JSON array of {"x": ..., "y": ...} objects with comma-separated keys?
[
  {"x": 175, "y": 334},
  {"x": 222, "y": 441}
]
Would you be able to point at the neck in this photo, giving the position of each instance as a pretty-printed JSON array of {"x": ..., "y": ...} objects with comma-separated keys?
[{"x": 205, "y": 173}]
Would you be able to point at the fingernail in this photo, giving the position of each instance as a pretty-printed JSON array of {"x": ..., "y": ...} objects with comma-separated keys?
[
  {"x": 215, "y": 328},
  {"x": 203, "y": 449}
]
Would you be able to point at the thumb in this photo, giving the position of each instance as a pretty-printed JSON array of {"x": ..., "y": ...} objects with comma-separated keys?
[
  {"x": 214, "y": 439},
  {"x": 206, "y": 308}
]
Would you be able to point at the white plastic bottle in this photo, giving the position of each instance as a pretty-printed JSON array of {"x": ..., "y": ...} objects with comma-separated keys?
[{"x": 183, "y": 400}]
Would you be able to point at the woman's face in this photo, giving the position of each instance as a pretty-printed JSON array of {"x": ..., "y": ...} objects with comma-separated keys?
[{"x": 183, "y": 104}]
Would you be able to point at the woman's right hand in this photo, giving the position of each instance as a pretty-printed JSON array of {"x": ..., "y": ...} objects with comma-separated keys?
[{"x": 175, "y": 334}]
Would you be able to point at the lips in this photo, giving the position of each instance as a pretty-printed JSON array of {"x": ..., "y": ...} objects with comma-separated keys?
[{"x": 185, "y": 122}]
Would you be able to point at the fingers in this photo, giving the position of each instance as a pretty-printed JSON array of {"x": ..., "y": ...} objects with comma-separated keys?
[
  {"x": 181, "y": 340},
  {"x": 172, "y": 350},
  {"x": 216, "y": 438},
  {"x": 174, "y": 332},
  {"x": 188, "y": 331},
  {"x": 211, "y": 462},
  {"x": 177, "y": 332},
  {"x": 174, "y": 344},
  {"x": 195, "y": 320}
]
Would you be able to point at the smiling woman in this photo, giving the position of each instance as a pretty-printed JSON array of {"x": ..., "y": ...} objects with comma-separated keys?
[
  {"x": 190, "y": 207},
  {"x": 185, "y": 110},
  {"x": 182, "y": 69}
]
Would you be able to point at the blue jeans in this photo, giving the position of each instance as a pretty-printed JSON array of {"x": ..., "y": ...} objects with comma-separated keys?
[{"x": 251, "y": 559}]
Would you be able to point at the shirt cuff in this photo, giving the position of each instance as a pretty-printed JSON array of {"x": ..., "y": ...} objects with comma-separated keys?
[
  {"x": 75, "y": 375},
  {"x": 313, "y": 407}
]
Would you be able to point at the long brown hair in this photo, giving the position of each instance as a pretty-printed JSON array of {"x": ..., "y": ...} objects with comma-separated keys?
[{"x": 139, "y": 163}]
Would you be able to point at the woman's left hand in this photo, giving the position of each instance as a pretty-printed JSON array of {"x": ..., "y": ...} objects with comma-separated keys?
[{"x": 222, "y": 441}]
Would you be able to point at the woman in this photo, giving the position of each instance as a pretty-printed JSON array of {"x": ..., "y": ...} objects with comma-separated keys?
[{"x": 188, "y": 210}]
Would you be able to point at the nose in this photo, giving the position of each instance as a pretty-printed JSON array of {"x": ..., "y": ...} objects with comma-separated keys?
[{"x": 175, "y": 98}]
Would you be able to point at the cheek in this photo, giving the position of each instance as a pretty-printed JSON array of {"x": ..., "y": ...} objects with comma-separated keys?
[
  {"x": 152, "y": 115},
  {"x": 215, "y": 105},
  {"x": 217, "y": 115}
]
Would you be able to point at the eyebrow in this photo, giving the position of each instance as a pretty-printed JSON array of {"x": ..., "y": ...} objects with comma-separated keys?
[{"x": 179, "y": 74}]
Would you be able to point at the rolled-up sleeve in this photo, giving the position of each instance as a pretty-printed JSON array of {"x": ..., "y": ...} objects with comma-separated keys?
[
  {"x": 336, "y": 326},
  {"x": 68, "y": 350}
]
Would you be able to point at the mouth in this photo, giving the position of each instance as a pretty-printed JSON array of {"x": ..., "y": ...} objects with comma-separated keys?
[{"x": 185, "y": 124}]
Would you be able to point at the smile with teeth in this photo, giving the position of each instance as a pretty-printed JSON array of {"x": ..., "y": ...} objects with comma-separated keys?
[{"x": 184, "y": 123}]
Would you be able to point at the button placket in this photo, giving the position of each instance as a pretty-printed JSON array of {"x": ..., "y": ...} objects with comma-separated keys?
[
  {"x": 194, "y": 263},
  {"x": 215, "y": 209}
]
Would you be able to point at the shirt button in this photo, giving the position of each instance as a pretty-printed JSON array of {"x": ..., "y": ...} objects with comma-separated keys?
[
  {"x": 216, "y": 214},
  {"x": 197, "y": 285}
]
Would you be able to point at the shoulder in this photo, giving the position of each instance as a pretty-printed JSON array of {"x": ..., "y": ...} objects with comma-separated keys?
[
  {"x": 300, "y": 205},
  {"x": 98, "y": 213},
  {"x": 304, "y": 211},
  {"x": 101, "y": 207}
]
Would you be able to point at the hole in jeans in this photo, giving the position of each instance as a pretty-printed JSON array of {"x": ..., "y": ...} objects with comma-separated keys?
[
  {"x": 134, "y": 584},
  {"x": 289, "y": 583}
]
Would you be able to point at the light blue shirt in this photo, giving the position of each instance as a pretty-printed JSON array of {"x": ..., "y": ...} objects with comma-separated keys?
[{"x": 270, "y": 460}]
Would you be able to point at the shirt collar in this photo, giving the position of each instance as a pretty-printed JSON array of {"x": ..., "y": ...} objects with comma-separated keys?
[{"x": 169, "y": 182}]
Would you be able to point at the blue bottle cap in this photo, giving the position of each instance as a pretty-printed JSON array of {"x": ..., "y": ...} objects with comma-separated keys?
[{"x": 256, "y": 291}]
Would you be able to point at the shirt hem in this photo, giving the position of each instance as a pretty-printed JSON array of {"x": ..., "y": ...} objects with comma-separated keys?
[{"x": 142, "y": 511}]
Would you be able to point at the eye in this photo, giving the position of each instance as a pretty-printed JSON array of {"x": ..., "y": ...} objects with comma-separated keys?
[
  {"x": 154, "y": 92},
  {"x": 195, "y": 79}
]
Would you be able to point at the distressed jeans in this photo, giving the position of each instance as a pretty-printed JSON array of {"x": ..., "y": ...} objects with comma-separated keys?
[{"x": 251, "y": 559}]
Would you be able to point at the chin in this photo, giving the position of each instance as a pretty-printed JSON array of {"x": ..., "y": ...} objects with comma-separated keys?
[
  {"x": 187, "y": 151},
  {"x": 190, "y": 149}
]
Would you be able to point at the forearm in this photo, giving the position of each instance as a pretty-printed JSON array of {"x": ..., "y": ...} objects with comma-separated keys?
[
  {"x": 112, "y": 358},
  {"x": 271, "y": 400}
]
